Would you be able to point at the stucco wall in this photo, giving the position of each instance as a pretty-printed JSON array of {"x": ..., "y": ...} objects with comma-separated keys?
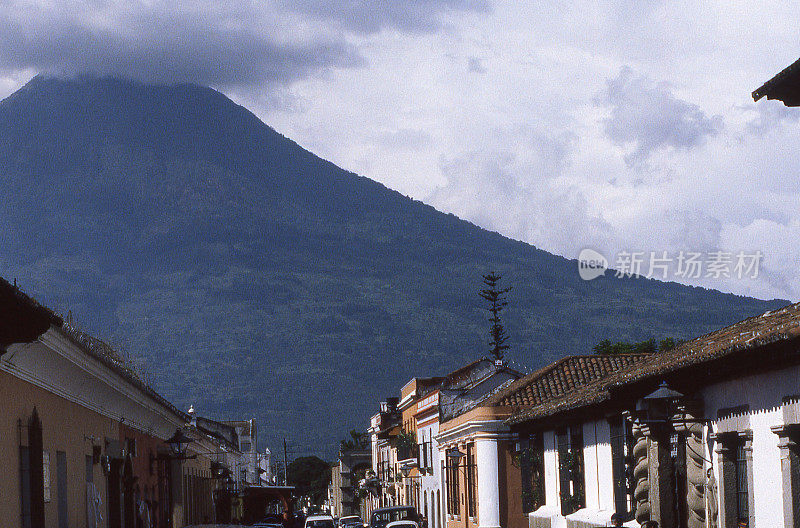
[
  {"x": 764, "y": 394},
  {"x": 66, "y": 427}
]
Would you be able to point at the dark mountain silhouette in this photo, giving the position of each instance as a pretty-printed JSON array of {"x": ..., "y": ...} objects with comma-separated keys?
[{"x": 256, "y": 279}]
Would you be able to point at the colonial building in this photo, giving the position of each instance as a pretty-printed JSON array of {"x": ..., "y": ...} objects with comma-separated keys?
[
  {"x": 253, "y": 466},
  {"x": 425, "y": 413},
  {"x": 487, "y": 468},
  {"x": 704, "y": 435},
  {"x": 467, "y": 435},
  {"x": 344, "y": 493},
  {"x": 83, "y": 439},
  {"x": 385, "y": 482}
]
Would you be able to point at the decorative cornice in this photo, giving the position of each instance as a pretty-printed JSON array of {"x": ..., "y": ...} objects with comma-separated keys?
[
  {"x": 493, "y": 429},
  {"x": 61, "y": 347}
]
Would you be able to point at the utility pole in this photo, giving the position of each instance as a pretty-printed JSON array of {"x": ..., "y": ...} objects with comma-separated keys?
[{"x": 285, "y": 466}]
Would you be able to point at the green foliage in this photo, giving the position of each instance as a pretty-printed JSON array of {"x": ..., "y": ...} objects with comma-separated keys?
[
  {"x": 406, "y": 440},
  {"x": 649, "y": 346},
  {"x": 357, "y": 440},
  {"x": 310, "y": 476},
  {"x": 497, "y": 302},
  {"x": 257, "y": 280}
]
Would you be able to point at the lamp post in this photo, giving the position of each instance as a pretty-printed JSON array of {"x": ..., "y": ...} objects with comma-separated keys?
[
  {"x": 405, "y": 470},
  {"x": 659, "y": 405},
  {"x": 672, "y": 434},
  {"x": 178, "y": 443}
]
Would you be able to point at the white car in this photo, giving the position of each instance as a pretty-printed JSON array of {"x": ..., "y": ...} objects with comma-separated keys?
[
  {"x": 319, "y": 521},
  {"x": 403, "y": 524}
]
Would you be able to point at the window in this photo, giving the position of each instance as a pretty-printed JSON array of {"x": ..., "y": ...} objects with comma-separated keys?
[
  {"x": 61, "y": 488},
  {"x": 570, "y": 469},
  {"x": 622, "y": 466},
  {"x": 531, "y": 466},
  {"x": 736, "y": 508},
  {"x": 472, "y": 480},
  {"x": 742, "y": 492},
  {"x": 130, "y": 447},
  {"x": 25, "y": 485},
  {"x": 453, "y": 486},
  {"x": 426, "y": 454}
]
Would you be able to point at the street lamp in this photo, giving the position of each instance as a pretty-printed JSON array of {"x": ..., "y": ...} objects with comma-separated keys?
[
  {"x": 454, "y": 454},
  {"x": 659, "y": 405},
  {"x": 178, "y": 443}
]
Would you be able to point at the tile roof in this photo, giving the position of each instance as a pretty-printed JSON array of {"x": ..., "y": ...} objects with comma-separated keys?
[
  {"x": 22, "y": 319},
  {"x": 560, "y": 378},
  {"x": 243, "y": 425},
  {"x": 785, "y": 86},
  {"x": 778, "y": 326}
]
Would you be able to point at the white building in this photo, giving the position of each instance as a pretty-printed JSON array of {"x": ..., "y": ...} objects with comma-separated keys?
[
  {"x": 702, "y": 436},
  {"x": 430, "y": 459}
]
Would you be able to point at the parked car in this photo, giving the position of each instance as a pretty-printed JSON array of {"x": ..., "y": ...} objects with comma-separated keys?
[
  {"x": 319, "y": 521},
  {"x": 350, "y": 520},
  {"x": 403, "y": 524},
  {"x": 381, "y": 517}
]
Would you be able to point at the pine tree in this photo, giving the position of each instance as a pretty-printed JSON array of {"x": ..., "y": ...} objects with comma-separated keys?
[{"x": 497, "y": 302}]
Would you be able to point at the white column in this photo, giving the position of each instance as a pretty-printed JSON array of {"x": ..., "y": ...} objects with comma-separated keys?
[{"x": 487, "y": 456}]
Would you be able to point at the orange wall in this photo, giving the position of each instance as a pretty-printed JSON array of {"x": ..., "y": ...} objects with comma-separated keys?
[
  {"x": 511, "y": 515},
  {"x": 64, "y": 428}
]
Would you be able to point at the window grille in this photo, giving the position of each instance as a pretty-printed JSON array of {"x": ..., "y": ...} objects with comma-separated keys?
[
  {"x": 622, "y": 466},
  {"x": 471, "y": 478},
  {"x": 570, "y": 469},
  {"x": 742, "y": 492},
  {"x": 453, "y": 487},
  {"x": 531, "y": 465}
]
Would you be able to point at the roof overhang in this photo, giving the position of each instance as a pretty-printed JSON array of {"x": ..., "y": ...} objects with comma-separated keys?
[{"x": 784, "y": 87}]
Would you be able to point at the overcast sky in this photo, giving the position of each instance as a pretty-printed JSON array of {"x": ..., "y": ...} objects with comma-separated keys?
[{"x": 620, "y": 125}]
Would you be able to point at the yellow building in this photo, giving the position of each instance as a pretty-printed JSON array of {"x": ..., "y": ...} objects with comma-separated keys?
[{"x": 83, "y": 438}]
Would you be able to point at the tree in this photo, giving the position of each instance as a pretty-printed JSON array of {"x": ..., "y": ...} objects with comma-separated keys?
[
  {"x": 497, "y": 302},
  {"x": 310, "y": 476},
  {"x": 357, "y": 440},
  {"x": 648, "y": 346}
]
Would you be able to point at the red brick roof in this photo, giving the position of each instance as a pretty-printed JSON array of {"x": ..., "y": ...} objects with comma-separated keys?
[
  {"x": 561, "y": 377},
  {"x": 753, "y": 333}
]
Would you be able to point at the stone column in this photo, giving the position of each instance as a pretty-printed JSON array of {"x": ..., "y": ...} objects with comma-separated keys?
[
  {"x": 487, "y": 455},
  {"x": 695, "y": 472},
  {"x": 788, "y": 436},
  {"x": 641, "y": 493},
  {"x": 660, "y": 475}
]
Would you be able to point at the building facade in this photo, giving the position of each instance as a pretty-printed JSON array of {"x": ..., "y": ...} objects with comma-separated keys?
[
  {"x": 83, "y": 438},
  {"x": 700, "y": 436}
]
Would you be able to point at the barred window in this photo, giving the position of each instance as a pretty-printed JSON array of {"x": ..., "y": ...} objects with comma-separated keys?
[
  {"x": 531, "y": 465},
  {"x": 453, "y": 487},
  {"x": 742, "y": 492},
  {"x": 472, "y": 480},
  {"x": 570, "y": 469},
  {"x": 622, "y": 465}
]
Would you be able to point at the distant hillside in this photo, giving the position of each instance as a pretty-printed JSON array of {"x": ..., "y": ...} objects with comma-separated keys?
[{"x": 257, "y": 279}]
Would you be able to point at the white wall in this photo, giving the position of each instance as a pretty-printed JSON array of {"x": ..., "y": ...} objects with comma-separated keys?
[
  {"x": 597, "y": 466},
  {"x": 764, "y": 394},
  {"x": 431, "y": 483}
]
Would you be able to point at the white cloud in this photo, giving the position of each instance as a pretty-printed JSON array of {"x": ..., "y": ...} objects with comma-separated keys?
[
  {"x": 491, "y": 111},
  {"x": 649, "y": 117}
]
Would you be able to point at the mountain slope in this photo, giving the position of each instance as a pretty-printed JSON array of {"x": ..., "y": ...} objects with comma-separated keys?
[{"x": 258, "y": 279}]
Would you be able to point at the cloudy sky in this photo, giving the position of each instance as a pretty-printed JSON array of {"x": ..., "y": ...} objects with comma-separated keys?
[{"x": 623, "y": 126}]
